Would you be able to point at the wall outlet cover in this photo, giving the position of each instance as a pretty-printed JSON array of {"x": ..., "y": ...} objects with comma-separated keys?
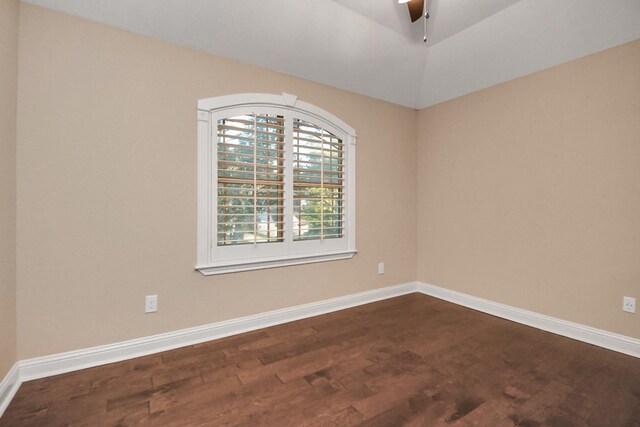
[
  {"x": 629, "y": 304},
  {"x": 151, "y": 304}
]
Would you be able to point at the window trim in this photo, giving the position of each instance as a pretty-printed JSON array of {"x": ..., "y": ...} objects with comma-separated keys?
[{"x": 207, "y": 108}]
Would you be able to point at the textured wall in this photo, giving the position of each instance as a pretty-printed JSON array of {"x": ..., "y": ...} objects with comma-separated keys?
[
  {"x": 529, "y": 192},
  {"x": 8, "y": 90},
  {"x": 107, "y": 188}
]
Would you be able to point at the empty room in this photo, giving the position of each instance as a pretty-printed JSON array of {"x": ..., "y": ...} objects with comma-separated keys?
[{"x": 320, "y": 213}]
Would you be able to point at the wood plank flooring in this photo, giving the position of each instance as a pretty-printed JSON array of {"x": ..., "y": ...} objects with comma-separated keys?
[{"x": 412, "y": 360}]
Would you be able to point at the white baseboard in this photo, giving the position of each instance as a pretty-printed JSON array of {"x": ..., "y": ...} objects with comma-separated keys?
[
  {"x": 74, "y": 360},
  {"x": 9, "y": 386},
  {"x": 599, "y": 337},
  {"x": 30, "y": 369}
]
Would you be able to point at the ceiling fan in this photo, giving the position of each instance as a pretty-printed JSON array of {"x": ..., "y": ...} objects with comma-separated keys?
[{"x": 418, "y": 9}]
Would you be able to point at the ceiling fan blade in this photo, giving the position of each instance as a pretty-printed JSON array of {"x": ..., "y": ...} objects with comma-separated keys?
[{"x": 416, "y": 7}]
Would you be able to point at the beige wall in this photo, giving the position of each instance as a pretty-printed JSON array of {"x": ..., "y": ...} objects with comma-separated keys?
[
  {"x": 529, "y": 192},
  {"x": 8, "y": 100},
  {"x": 107, "y": 188}
]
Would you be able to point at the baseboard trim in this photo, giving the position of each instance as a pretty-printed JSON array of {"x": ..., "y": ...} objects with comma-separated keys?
[
  {"x": 9, "y": 386},
  {"x": 31, "y": 369},
  {"x": 599, "y": 337},
  {"x": 55, "y": 364},
  {"x": 75, "y": 360}
]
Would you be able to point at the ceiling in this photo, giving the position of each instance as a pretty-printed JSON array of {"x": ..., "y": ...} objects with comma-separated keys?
[
  {"x": 453, "y": 16},
  {"x": 370, "y": 46}
]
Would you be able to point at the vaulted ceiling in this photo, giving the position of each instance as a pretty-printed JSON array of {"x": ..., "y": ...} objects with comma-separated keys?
[{"x": 371, "y": 47}]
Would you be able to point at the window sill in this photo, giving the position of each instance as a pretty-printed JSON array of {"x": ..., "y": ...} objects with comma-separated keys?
[{"x": 259, "y": 264}]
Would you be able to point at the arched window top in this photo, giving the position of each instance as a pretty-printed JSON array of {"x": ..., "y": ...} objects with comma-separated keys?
[{"x": 284, "y": 100}]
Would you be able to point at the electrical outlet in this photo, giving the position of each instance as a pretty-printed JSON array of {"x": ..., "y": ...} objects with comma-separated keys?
[
  {"x": 629, "y": 304},
  {"x": 381, "y": 268},
  {"x": 151, "y": 304}
]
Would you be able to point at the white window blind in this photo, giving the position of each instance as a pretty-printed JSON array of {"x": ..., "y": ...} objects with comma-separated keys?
[
  {"x": 317, "y": 182},
  {"x": 276, "y": 184},
  {"x": 250, "y": 179}
]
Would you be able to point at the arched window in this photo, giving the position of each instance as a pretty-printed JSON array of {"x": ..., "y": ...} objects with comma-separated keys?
[{"x": 276, "y": 184}]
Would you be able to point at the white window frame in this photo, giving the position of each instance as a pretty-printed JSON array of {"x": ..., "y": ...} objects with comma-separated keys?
[{"x": 213, "y": 259}]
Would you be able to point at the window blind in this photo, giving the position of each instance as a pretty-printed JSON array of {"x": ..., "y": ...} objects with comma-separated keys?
[
  {"x": 318, "y": 183},
  {"x": 250, "y": 179}
]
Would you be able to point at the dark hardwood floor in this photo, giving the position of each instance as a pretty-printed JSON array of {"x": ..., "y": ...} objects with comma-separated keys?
[{"x": 412, "y": 360}]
